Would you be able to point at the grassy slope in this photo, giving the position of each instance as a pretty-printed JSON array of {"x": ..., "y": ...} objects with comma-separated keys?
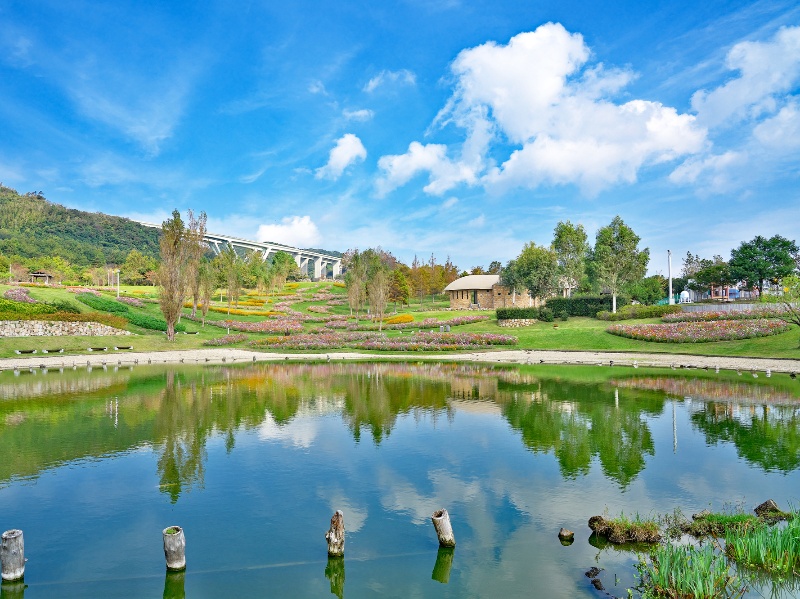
[{"x": 575, "y": 334}]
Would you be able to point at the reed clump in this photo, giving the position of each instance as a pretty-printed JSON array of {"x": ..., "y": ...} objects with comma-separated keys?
[
  {"x": 685, "y": 572},
  {"x": 775, "y": 549}
]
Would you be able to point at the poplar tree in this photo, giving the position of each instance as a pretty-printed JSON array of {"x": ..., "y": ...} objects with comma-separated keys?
[{"x": 172, "y": 279}]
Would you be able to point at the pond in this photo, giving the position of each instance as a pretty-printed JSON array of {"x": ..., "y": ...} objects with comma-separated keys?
[{"x": 252, "y": 461}]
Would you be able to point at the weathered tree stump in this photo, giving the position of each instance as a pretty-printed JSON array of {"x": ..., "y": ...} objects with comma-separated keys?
[
  {"x": 174, "y": 548},
  {"x": 441, "y": 522},
  {"x": 443, "y": 565},
  {"x": 567, "y": 537},
  {"x": 335, "y": 536},
  {"x": 12, "y": 555},
  {"x": 174, "y": 584},
  {"x": 334, "y": 572}
]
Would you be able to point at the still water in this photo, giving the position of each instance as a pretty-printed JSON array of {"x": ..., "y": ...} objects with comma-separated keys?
[{"x": 253, "y": 460}]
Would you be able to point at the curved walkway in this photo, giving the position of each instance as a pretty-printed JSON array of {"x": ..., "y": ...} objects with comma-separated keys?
[{"x": 224, "y": 355}]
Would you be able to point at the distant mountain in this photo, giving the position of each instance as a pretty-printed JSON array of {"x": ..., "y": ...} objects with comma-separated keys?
[{"x": 31, "y": 226}]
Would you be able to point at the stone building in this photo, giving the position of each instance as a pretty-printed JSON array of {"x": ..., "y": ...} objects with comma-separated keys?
[{"x": 484, "y": 292}]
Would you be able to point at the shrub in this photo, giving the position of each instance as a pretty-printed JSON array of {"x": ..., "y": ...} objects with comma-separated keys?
[
  {"x": 65, "y": 306},
  {"x": 517, "y": 313},
  {"x": 546, "y": 315},
  {"x": 638, "y": 311},
  {"x": 116, "y": 322},
  {"x": 587, "y": 305},
  {"x": 10, "y": 307},
  {"x": 564, "y": 315},
  {"x": 151, "y": 322},
  {"x": 18, "y": 294},
  {"x": 399, "y": 319},
  {"x": 226, "y": 340},
  {"x": 102, "y": 303}
]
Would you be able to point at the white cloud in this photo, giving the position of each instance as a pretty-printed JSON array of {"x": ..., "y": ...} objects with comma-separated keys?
[
  {"x": 432, "y": 158},
  {"x": 348, "y": 150},
  {"x": 477, "y": 222},
  {"x": 767, "y": 70},
  {"x": 781, "y": 132},
  {"x": 449, "y": 203},
  {"x": 317, "y": 87},
  {"x": 712, "y": 173},
  {"x": 361, "y": 115},
  {"x": 760, "y": 109},
  {"x": 402, "y": 77},
  {"x": 297, "y": 231},
  {"x": 538, "y": 93}
]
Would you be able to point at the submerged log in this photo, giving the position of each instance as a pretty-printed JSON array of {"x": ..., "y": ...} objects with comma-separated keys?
[
  {"x": 12, "y": 555},
  {"x": 441, "y": 522},
  {"x": 174, "y": 548},
  {"x": 335, "y": 535}
]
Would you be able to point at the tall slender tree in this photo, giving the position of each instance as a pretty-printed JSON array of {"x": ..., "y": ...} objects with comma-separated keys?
[
  {"x": 195, "y": 233},
  {"x": 571, "y": 247},
  {"x": 172, "y": 273},
  {"x": 617, "y": 257}
]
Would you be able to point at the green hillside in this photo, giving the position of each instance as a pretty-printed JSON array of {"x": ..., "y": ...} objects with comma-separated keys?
[{"x": 32, "y": 227}]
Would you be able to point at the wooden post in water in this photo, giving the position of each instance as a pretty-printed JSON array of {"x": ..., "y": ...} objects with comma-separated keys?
[
  {"x": 335, "y": 536},
  {"x": 174, "y": 548},
  {"x": 441, "y": 522},
  {"x": 12, "y": 555}
]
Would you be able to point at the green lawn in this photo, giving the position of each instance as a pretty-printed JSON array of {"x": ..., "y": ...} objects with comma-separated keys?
[{"x": 575, "y": 334}]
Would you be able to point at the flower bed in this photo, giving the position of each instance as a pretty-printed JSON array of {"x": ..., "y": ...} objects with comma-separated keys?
[
  {"x": 428, "y": 323},
  {"x": 767, "y": 312},
  {"x": 131, "y": 301},
  {"x": 700, "y": 332},
  {"x": 380, "y": 342},
  {"x": 226, "y": 340},
  {"x": 17, "y": 294},
  {"x": 438, "y": 342},
  {"x": 283, "y": 326},
  {"x": 83, "y": 290}
]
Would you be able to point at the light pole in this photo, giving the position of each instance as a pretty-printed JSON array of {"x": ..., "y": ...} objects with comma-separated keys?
[{"x": 671, "y": 297}]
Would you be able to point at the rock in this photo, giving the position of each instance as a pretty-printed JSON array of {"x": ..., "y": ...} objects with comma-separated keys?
[
  {"x": 598, "y": 524},
  {"x": 767, "y": 508},
  {"x": 592, "y": 572},
  {"x": 566, "y": 535},
  {"x": 700, "y": 515},
  {"x": 596, "y": 583}
]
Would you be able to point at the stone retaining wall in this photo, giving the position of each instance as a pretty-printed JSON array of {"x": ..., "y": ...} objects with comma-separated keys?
[
  {"x": 517, "y": 322},
  {"x": 55, "y": 328}
]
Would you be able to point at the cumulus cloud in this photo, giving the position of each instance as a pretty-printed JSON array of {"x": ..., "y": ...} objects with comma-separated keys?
[
  {"x": 538, "y": 93},
  {"x": 759, "y": 105},
  {"x": 361, "y": 115},
  {"x": 297, "y": 231},
  {"x": 401, "y": 77},
  {"x": 767, "y": 70},
  {"x": 348, "y": 150}
]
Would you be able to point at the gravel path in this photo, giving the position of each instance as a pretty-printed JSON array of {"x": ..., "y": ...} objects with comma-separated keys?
[{"x": 220, "y": 355}]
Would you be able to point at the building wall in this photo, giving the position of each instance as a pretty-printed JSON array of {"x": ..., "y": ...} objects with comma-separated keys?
[{"x": 498, "y": 296}]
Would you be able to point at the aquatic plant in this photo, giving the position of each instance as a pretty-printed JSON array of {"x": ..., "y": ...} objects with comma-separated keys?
[
  {"x": 626, "y": 530},
  {"x": 686, "y": 572},
  {"x": 772, "y": 548}
]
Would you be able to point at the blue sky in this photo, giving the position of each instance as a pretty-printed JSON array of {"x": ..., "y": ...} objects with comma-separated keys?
[{"x": 457, "y": 127}]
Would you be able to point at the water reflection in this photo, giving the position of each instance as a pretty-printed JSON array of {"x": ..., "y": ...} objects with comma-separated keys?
[
  {"x": 334, "y": 572},
  {"x": 443, "y": 565},
  {"x": 177, "y": 410},
  {"x": 174, "y": 584}
]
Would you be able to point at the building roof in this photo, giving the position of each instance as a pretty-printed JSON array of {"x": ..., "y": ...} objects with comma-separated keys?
[{"x": 473, "y": 282}]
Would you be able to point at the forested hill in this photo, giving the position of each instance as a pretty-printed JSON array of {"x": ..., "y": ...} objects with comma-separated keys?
[{"x": 32, "y": 227}]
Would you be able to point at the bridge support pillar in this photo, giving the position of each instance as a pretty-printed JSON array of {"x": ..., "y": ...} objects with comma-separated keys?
[
  {"x": 317, "y": 268},
  {"x": 337, "y": 268}
]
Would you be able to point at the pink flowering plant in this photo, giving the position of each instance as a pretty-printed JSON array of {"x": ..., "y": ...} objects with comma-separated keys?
[
  {"x": 131, "y": 301},
  {"x": 700, "y": 332},
  {"x": 226, "y": 340},
  {"x": 18, "y": 294},
  {"x": 765, "y": 312},
  {"x": 378, "y": 341},
  {"x": 283, "y": 326}
]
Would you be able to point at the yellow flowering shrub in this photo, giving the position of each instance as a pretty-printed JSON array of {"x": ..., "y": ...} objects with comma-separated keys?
[{"x": 399, "y": 319}]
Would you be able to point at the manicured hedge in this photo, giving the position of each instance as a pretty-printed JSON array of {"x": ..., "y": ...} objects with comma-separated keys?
[
  {"x": 586, "y": 305},
  {"x": 113, "y": 321},
  {"x": 517, "y": 313},
  {"x": 638, "y": 311}
]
